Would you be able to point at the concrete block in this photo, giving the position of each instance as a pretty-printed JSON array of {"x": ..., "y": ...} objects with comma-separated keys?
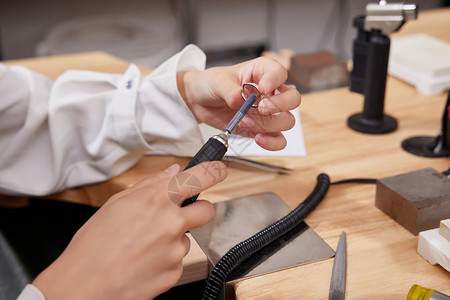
[{"x": 417, "y": 200}]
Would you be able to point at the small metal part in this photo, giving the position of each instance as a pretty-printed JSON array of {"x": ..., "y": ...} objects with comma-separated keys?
[
  {"x": 241, "y": 113},
  {"x": 249, "y": 102},
  {"x": 222, "y": 137},
  {"x": 244, "y": 94},
  {"x": 388, "y": 17},
  {"x": 339, "y": 273},
  {"x": 213, "y": 150}
]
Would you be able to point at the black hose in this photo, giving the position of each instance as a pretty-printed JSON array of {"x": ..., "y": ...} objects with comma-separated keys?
[
  {"x": 355, "y": 180},
  {"x": 243, "y": 250}
]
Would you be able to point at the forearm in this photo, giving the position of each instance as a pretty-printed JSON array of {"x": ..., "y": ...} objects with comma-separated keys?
[{"x": 87, "y": 127}]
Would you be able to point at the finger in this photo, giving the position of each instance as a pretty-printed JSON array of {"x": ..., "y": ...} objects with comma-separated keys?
[
  {"x": 199, "y": 213},
  {"x": 273, "y": 74},
  {"x": 195, "y": 180},
  {"x": 219, "y": 117},
  {"x": 286, "y": 99},
  {"x": 271, "y": 141},
  {"x": 253, "y": 124},
  {"x": 230, "y": 90},
  {"x": 266, "y": 72},
  {"x": 167, "y": 173},
  {"x": 186, "y": 244}
]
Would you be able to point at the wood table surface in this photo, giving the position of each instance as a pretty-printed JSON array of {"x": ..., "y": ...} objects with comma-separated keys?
[{"x": 383, "y": 262}]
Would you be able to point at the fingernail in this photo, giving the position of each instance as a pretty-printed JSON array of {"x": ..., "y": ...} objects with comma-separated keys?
[
  {"x": 266, "y": 106},
  {"x": 173, "y": 169},
  {"x": 262, "y": 107},
  {"x": 247, "y": 122}
]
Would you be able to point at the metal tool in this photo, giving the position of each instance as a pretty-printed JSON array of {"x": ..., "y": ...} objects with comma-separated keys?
[
  {"x": 240, "y": 218},
  {"x": 432, "y": 146},
  {"x": 339, "y": 273},
  {"x": 240, "y": 114},
  {"x": 418, "y": 292},
  {"x": 370, "y": 63},
  {"x": 244, "y": 162},
  {"x": 216, "y": 146},
  {"x": 388, "y": 17}
]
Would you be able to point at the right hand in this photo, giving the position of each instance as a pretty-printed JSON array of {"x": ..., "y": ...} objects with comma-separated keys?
[
  {"x": 214, "y": 97},
  {"x": 133, "y": 247}
]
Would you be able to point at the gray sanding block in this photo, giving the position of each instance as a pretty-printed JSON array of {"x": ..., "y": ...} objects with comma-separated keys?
[
  {"x": 417, "y": 200},
  {"x": 318, "y": 71}
]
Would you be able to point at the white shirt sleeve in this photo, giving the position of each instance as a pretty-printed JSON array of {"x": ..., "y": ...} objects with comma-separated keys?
[
  {"x": 30, "y": 292},
  {"x": 87, "y": 127}
]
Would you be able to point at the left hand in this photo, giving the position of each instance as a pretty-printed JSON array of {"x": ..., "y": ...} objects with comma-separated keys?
[
  {"x": 133, "y": 246},
  {"x": 214, "y": 96}
]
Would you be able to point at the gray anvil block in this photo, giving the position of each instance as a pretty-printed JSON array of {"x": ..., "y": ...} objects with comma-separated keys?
[{"x": 417, "y": 200}]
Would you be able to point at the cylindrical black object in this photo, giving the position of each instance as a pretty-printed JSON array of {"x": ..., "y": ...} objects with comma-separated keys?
[
  {"x": 371, "y": 56},
  {"x": 213, "y": 150},
  {"x": 376, "y": 73},
  {"x": 429, "y": 146},
  {"x": 358, "y": 73}
]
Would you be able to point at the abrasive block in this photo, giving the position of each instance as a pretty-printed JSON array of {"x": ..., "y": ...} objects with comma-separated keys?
[
  {"x": 317, "y": 71},
  {"x": 444, "y": 229},
  {"x": 417, "y": 200},
  {"x": 434, "y": 248}
]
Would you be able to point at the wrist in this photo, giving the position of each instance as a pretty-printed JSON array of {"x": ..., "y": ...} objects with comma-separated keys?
[
  {"x": 49, "y": 286},
  {"x": 60, "y": 281}
]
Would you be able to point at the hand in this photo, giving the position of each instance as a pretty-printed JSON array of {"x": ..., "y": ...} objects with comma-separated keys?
[
  {"x": 214, "y": 96},
  {"x": 133, "y": 247}
]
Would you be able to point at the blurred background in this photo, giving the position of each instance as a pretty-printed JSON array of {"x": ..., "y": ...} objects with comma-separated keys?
[{"x": 149, "y": 31}]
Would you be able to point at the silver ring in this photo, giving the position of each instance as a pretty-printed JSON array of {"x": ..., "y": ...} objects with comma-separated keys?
[{"x": 245, "y": 96}]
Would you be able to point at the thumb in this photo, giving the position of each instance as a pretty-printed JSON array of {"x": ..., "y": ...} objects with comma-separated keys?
[{"x": 230, "y": 91}]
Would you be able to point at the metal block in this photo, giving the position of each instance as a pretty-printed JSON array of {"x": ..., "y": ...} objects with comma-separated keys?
[{"x": 417, "y": 200}]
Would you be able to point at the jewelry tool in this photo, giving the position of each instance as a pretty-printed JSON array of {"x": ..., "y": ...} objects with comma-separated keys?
[
  {"x": 217, "y": 145},
  {"x": 339, "y": 273}
]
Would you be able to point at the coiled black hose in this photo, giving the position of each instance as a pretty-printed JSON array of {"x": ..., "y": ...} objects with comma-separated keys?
[{"x": 243, "y": 250}]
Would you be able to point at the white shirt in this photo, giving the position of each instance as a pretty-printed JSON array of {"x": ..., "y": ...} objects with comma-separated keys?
[
  {"x": 30, "y": 292},
  {"x": 86, "y": 127}
]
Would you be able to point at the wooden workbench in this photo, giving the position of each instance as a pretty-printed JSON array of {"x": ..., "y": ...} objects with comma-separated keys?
[{"x": 382, "y": 257}]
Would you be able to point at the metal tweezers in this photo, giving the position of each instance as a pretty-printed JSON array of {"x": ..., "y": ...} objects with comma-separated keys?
[{"x": 258, "y": 165}]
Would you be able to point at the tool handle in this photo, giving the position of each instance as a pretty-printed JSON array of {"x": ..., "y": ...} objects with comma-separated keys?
[
  {"x": 212, "y": 150},
  {"x": 241, "y": 113}
]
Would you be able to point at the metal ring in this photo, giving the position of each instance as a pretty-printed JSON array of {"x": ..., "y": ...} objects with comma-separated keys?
[{"x": 245, "y": 96}]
